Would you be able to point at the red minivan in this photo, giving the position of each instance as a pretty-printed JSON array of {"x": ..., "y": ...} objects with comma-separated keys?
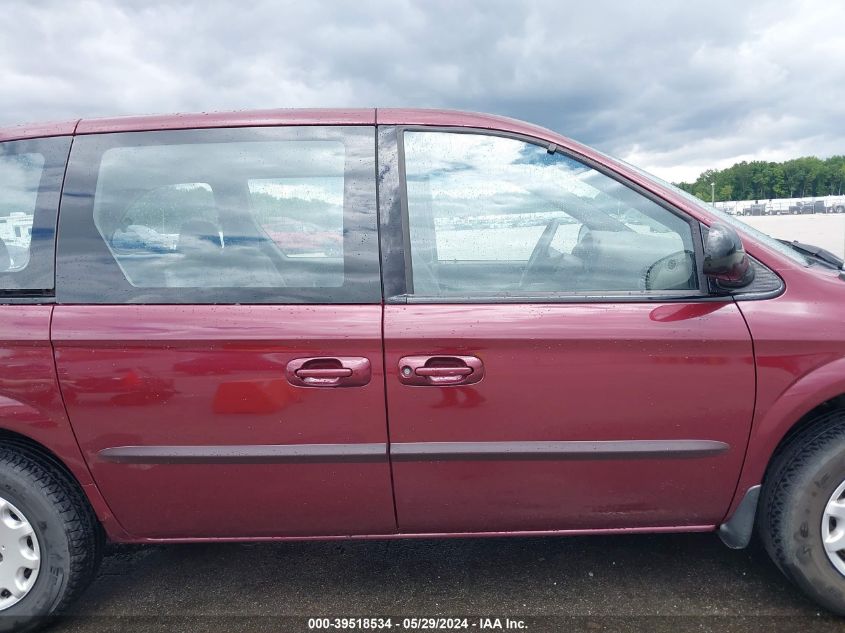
[{"x": 293, "y": 324}]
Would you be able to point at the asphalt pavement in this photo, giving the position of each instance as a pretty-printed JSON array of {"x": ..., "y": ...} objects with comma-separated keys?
[{"x": 687, "y": 582}]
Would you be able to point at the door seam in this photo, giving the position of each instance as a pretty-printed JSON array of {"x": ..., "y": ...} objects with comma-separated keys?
[
  {"x": 753, "y": 413},
  {"x": 73, "y": 429},
  {"x": 383, "y": 350},
  {"x": 387, "y": 424}
]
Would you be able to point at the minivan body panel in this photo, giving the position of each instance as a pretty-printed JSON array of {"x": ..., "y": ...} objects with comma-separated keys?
[{"x": 192, "y": 431}]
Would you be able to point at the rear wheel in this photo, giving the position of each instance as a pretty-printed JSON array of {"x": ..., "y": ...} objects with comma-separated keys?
[
  {"x": 802, "y": 513},
  {"x": 50, "y": 541}
]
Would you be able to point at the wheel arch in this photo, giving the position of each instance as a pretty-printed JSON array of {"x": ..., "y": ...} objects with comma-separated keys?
[
  {"x": 794, "y": 410},
  {"x": 803, "y": 423},
  {"x": 67, "y": 458},
  {"x": 25, "y": 443}
]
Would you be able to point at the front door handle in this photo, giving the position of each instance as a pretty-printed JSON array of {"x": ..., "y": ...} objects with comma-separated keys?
[
  {"x": 329, "y": 371},
  {"x": 440, "y": 371},
  {"x": 443, "y": 372}
]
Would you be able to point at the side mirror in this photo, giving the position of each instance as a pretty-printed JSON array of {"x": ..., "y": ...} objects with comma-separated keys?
[{"x": 725, "y": 261}]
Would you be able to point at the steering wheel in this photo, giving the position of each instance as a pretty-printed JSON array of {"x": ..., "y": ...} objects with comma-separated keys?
[
  {"x": 672, "y": 272},
  {"x": 541, "y": 250}
]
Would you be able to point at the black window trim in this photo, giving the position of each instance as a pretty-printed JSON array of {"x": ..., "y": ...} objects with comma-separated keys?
[{"x": 398, "y": 285}]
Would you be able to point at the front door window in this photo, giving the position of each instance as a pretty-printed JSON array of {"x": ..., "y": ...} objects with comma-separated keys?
[{"x": 495, "y": 215}]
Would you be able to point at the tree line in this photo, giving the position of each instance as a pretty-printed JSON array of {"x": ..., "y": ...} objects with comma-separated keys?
[{"x": 762, "y": 180}]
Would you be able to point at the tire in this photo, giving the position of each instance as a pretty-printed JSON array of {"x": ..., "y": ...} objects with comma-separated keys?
[
  {"x": 68, "y": 537},
  {"x": 797, "y": 489}
]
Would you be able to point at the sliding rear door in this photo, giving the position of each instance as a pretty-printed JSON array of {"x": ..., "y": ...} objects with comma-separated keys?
[{"x": 218, "y": 333}]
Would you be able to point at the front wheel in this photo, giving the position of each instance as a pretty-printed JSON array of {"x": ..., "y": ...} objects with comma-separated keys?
[
  {"x": 802, "y": 513},
  {"x": 50, "y": 542}
]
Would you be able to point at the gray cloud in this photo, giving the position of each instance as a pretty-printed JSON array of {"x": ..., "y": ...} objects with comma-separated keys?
[{"x": 676, "y": 87}]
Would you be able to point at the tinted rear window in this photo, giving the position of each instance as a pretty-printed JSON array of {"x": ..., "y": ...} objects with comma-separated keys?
[{"x": 265, "y": 215}]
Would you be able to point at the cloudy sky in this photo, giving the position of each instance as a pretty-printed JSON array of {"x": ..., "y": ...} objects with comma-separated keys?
[{"x": 673, "y": 86}]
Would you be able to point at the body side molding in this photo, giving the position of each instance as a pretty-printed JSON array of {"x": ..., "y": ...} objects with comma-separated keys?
[
  {"x": 608, "y": 449},
  {"x": 245, "y": 454},
  {"x": 412, "y": 451}
]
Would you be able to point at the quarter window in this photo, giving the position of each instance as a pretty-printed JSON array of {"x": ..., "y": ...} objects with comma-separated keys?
[
  {"x": 20, "y": 177},
  {"x": 490, "y": 215},
  {"x": 30, "y": 181}
]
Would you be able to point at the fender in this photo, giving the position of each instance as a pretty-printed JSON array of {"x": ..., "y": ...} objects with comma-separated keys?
[{"x": 771, "y": 425}]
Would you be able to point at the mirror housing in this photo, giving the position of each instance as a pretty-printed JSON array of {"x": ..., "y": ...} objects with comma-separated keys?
[{"x": 725, "y": 261}]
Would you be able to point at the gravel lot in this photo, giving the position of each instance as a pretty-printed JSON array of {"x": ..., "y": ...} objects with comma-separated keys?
[
  {"x": 825, "y": 230},
  {"x": 621, "y": 583},
  {"x": 624, "y": 583}
]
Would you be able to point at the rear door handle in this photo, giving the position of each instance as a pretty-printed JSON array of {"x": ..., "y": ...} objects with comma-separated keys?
[
  {"x": 440, "y": 371},
  {"x": 329, "y": 371}
]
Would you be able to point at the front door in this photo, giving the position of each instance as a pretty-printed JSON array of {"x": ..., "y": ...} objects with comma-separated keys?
[
  {"x": 554, "y": 362},
  {"x": 218, "y": 338}
]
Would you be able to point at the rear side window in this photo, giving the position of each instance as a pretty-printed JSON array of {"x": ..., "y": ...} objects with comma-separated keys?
[
  {"x": 30, "y": 181},
  {"x": 263, "y": 215}
]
